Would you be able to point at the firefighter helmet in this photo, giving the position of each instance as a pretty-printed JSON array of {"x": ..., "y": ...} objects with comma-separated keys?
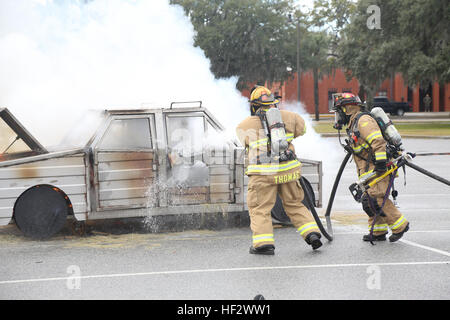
[
  {"x": 343, "y": 99},
  {"x": 344, "y": 104},
  {"x": 261, "y": 96}
]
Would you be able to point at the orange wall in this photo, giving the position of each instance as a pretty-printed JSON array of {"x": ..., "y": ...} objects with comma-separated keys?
[{"x": 337, "y": 81}]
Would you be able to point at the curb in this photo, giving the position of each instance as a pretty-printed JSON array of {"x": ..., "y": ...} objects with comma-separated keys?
[{"x": 328, "y": 135}]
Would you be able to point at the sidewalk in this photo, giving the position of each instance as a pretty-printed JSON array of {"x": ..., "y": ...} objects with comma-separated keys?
[{"x": 409, "y": 116}]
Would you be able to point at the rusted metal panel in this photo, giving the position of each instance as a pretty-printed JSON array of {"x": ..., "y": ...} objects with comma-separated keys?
[
  {"x": 61, "y": 181},
  {"x": 239, "y": 156},
  {"x": 213, "y": 179},
  {"x": 126, "y": 174},
  {"x": 41, "y": 171},
  {"x": 218, "y": 160},
  {"x": 184, "y": 196},
  {"x": 42, "y": 157},
  {"x": 121, "y": 184},
  {"x": 7, "y": 202},
  {"x": 125, "y": 193},
  {"x": 219, "y": 187},
  {"x": 127, "y": 203},
  {"x": 17, "y": 191},
  {"x": 66, "y": 173},
  {"x": 313, "y": 178},
  {"x": 239, "y": 187},
  {"x": 220, "y": 197},
  {"x": 219, "y": 170},
  {"x": 125, "y": 165},
  {"x": 4, "y": 221},
  {"x": 21, "y": 131},
  {"x": 179, "y": 209},
  {"x": 124, "y": 156},
  {"x": 79, "y": 204},
  {"x": 6, "y": 212}
]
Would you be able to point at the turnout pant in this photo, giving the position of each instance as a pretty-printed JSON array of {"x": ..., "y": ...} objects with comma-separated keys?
[
  {"x": 393, "y": 218},
  {"x": 261, "y": 197}
]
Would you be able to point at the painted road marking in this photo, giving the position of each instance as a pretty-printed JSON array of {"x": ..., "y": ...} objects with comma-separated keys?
[
  {"x": 410, "y": 231},
  {"x": 445, "y": 253},
  {"x": 350, "y": 265}
]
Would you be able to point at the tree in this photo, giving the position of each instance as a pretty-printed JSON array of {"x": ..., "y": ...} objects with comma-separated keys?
[
  {"x": 424, "y": 31},
  {"x": 413, "y": 40},
  {"x": 315, "y": 47},
  {"x": 251, "y": 39}
]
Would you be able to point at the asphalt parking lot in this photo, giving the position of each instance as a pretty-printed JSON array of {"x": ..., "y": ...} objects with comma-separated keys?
[{"x": 216, "y": 265}]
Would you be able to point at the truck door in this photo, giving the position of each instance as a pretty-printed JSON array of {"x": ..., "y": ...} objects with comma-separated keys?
[
  {"x": 125, "y": 166},
  {"x": 199, "y": 165}
]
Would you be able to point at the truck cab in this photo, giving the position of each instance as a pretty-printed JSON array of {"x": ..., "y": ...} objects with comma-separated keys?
[{"x": 392, "y": 107}]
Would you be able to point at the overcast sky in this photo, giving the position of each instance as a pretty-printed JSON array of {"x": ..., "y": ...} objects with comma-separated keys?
[{"x": 306, "y": 3}]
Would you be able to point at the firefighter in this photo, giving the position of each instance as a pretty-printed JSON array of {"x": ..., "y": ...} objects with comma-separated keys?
[
  {"x": 370, "y": 155},
  {"x": 269, "y": 176}
]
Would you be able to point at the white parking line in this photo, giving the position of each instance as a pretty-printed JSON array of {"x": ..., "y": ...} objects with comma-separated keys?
[
  {"x": 445, "y": 253},
  {"x": 177, "y": 272},
  {"x": 363, "y": 231}
]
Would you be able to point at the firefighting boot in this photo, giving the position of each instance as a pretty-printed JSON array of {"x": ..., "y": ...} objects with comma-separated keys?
[
  {"x": 267, "y": 249},
  {"x": 380, "y": 237},
  {"x": 313, "y": 239},
  {"x": 396, "y": 236}
]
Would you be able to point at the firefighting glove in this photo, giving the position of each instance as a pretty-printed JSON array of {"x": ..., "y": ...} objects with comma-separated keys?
[{"x": 380, "y": 167}]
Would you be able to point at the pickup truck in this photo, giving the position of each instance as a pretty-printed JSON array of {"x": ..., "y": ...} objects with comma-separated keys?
[
  {"x": 392, "y": 107},
  {"x": 136, "y": 165}
]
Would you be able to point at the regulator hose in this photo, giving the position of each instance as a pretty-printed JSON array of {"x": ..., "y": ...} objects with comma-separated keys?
[{"x": 308, "y": 198}]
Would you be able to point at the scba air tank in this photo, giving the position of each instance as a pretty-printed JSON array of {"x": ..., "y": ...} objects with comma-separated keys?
[
  {"x": 278, "y": 138},
  {"x": 387, "y": 127}
]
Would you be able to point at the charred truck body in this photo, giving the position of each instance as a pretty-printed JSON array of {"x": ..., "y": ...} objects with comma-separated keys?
[{"x": 139, "y": 163}]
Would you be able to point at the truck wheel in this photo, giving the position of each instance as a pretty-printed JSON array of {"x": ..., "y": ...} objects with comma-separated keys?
[
  {"x": 41, "y": 211},
  {"x": 278, "y": 211},
  {"x": 400, "y": 112}
]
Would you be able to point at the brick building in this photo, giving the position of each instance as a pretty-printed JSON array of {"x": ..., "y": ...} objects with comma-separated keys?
[{"x": 395, "y": 89}]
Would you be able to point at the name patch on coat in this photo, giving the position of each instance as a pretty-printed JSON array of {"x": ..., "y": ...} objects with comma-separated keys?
[{"x": 288, "y": 177}]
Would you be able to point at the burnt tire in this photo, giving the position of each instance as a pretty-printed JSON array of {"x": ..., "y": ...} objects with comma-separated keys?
[
  {"x": 41, "y": 211},
  {"x": 278, "y": 211}
]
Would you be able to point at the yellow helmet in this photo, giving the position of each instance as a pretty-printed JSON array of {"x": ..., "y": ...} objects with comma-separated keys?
[{"x": 261, "y": 96}]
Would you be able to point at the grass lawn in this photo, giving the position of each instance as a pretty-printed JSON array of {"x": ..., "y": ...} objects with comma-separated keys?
[{"x": 435, "y": 128}]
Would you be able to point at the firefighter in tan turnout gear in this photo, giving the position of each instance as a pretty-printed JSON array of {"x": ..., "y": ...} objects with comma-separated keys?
[
  {"x": 273, "y": 169},
  {"x": 368, "y": 147}
]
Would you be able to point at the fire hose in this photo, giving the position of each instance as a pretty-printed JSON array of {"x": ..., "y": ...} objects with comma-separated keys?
[{"x": 308, "y": 198}]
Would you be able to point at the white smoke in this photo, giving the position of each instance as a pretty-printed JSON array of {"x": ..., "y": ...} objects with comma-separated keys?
[
  {"x": 59, "y": 59},
  {"x": 315, "y": 147}
]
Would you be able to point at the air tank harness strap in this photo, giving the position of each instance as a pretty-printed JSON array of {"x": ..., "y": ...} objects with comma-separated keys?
[{"x": 356, "y": 135}]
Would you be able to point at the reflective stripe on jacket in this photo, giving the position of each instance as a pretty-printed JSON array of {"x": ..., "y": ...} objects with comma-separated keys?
[
  {"x": 252, "y": 136},
  {"x": 369, "y": 145}
]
